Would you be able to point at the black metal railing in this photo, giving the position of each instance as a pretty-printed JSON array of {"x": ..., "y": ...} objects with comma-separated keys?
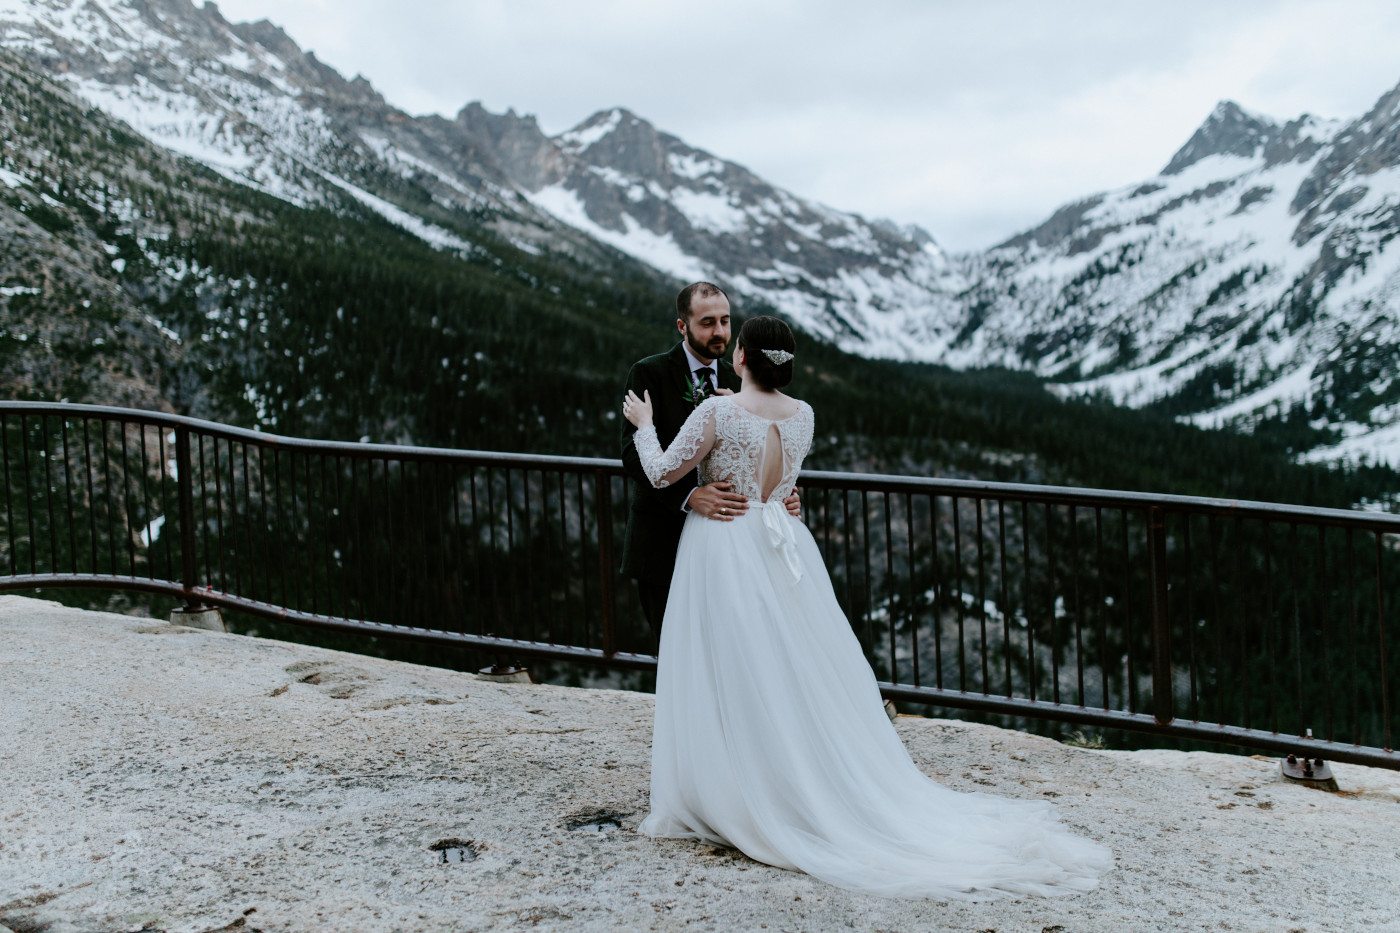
[{"x": 1247, "y": 623}]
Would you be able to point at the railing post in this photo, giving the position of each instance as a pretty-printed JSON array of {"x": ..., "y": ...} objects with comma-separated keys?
[
  {"x": 185, "y": 484},
  {"x": 1162, "y": 691},
  {"x": 606, "y": 571}
]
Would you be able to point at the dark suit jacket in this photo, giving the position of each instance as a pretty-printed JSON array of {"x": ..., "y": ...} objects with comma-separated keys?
[{"x": 655, "y": 518}]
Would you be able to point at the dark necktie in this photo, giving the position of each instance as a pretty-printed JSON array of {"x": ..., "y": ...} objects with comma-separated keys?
[{"x": 707, "y": 378}]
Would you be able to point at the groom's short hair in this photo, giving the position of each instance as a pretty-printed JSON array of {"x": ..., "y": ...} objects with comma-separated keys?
[{"x": 693, "y": 291}]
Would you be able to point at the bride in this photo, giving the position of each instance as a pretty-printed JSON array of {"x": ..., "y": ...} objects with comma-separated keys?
[{"x": 770, "y": 734}]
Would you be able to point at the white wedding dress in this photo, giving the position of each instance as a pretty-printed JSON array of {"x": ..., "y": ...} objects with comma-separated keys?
[{"x": 770, "y": 732}]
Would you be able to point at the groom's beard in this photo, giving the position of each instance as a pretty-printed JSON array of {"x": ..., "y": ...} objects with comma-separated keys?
[{"x": 714, "y": 350}]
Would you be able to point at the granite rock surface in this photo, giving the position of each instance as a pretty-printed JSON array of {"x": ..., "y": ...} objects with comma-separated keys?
[{"x": 159, "y": 778}]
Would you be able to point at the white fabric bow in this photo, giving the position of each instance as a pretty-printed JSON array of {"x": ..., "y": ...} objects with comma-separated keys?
[{"x": 781, "y": 535}]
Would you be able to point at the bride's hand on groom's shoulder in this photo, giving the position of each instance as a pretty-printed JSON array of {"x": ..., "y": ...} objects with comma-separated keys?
[
  {"x": 724, "y": 391},
  {"x": 637, "y": 410}
]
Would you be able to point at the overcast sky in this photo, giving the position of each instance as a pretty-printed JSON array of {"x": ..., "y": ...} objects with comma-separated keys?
[{"x": 974, "y": 119}]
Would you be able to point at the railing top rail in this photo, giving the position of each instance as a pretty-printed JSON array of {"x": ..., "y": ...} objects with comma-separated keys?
[
  {"x": 815, "y": 479},
  {"x": 342, "y": 448},
  {"x": 1107, "y": 498}
]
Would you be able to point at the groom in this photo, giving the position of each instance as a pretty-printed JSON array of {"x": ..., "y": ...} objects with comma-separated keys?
[{"x": 677, "y": 381}]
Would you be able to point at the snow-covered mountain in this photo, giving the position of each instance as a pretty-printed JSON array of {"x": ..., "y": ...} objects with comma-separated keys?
[
  {"x": 868, "y": 286},
  {"x": 244, "y": 99},
  {"x": 1253, "y": 276}
]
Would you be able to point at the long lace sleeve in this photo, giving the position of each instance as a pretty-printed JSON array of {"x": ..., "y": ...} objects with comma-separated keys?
[{"x": 692, "y": 443}]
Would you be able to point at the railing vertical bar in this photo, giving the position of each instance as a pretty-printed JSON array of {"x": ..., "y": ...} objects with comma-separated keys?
[
  {"x": 49, "y": 492},
  {"x": 264, "y": 527},
  {"x": 68, "y": 496},
  {"x": 107, "y": 495},
  {"x": 1026, "y": 600},
  {"x": 1271, "y": 627},
  {"x": 1187, "y": 574},
  {"x": 1129, "y": 632},
  {"x": 415, "y": 534},
  {"x": 1074, "y": 575},
  {"x": 1241, "y": 616},
  {"x": 343, "y": 534},
  {"x": 126, "y": 504},
  {"x": 28, "y": 493},
  {"x": 607, "y": 573},
  {"x": 1217, "y": 620},
  {"x": 376, "y": 556},
  {"x": 1050, "y": 596},
  {"x": 584, "y": 573},
  {"x": 1324, "y": 603},
  {"x": 1005, "y": 600},
  {"x": 480, "y": 611},
  {"x": 329, "y": 535},
  {"x": 982, "y": 596},
  {"x": 846, "y": 556},
  {"x": 826, "y": 524},
  {"x": 383, "y": 552},
  {"x": 189, "y": 567},
  {"x": 1100, "y": 608},
  {"x": 312, "y": 533},
  {"x": 867, "y": 611},
  {"x": 427, "y": 593},
  {"x": 241, "y": 559},
  {"x": 442, "y": 539},
  {"x": 939, "y": 590},
  {"x": 1380, "y": 653},
  {"x": 512, "y": 589},
  {"x": 457, "y": 557},
  {"x": 233, "y": 557},
  {"x": 913, "y": 615},
  {"x": 890, "y": 590},
  {"x": 960, "y": 602},
  {"x": 568, "y": 625},
  {"x": 294, "y": 521},
  {"x": 378, "y": 553},
  {"x": 1293, "y": 585},
  {"x": 497, "y": 614},
  {"x": 253, "y": 542},
  {"x": 365, "y": 571},
  {"x": 204, "y": 511},
  {"x": 531, "y": 596},
  {"x": 149, "y": 530},
  {"x": 1163, "y": 698},
  {"x": 280, "y": 533},
  {"x": 1352, "y": 639},
  {"x": 91, "y": 493},
  {"x": 164, "y": 500},
  {"x": 9, "y": 500}
]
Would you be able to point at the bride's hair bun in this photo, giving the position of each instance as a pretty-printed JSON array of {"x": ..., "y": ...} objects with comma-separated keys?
[{"x": 766, "y": 339}]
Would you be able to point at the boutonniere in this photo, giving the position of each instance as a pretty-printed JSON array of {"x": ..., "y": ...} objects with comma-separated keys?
[{"x": 695, "y": 394}]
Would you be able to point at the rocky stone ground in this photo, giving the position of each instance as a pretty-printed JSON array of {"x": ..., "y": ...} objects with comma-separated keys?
[{"x": 154, "y": 777}]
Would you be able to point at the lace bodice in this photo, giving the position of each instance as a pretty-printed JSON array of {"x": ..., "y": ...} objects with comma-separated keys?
[{"x": 728, "y": 443}]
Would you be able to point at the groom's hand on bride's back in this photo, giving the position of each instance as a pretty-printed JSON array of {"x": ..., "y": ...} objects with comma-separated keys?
[
  {"x": 718, "y": 501},
  {"x": 794, "y": 504}
]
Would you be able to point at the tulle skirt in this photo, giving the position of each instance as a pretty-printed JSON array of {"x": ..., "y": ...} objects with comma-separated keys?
[{"x": 771, "y": 737}]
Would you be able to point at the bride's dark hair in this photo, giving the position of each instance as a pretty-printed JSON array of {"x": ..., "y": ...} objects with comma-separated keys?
[{"x": 767, "y": 333}]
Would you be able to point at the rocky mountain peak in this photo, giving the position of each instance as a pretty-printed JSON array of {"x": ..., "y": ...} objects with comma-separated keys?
[
  {"x": 1229, "y": 130},
  {"x": 526, "y": 156}
]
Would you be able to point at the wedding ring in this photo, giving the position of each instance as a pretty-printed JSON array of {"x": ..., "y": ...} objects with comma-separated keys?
[{"x": 724, "y": 511}]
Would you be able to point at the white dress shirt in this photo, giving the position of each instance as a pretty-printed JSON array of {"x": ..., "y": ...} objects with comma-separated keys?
[{"x": 695, "y": 366}]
